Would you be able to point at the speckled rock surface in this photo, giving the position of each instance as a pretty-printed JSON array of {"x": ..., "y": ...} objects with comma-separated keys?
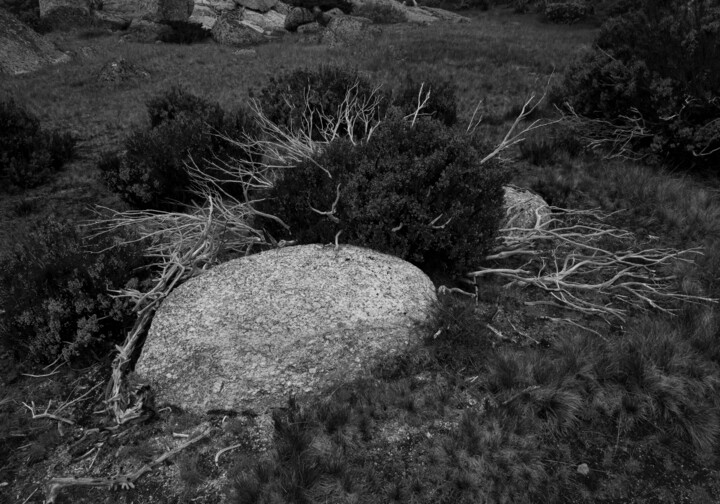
[
  {"x": 522, "y": 208},
  {"x": 22, "y": 49},
  {"x": 291, "y": 321}
]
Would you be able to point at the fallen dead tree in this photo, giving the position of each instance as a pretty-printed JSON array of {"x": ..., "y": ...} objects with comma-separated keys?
[{"x": 589, "y": 266}]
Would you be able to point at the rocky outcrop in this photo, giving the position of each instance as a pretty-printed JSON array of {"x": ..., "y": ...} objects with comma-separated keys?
[
  {"x": 257, "y": 5},
  {"x": 149, "y": 10},
  {"x": 292, "y": 321},
  {"x": 298, "y": 16},
  {"x": 23, "y": 50},
  {"x": 347, "y": 30},
  {"x": 231, "y": 29},
  {"x": 79, "y": 6},
  {"x": 270, "y": 21},
  {"x": 205, "y": 16}
]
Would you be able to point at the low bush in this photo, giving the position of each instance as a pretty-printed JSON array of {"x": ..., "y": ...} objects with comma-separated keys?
[
  {"x": 567, "y": 12},
  {"x": 183, "y": 128},
  {"x": 54, "y": 299},
  {"x": 185, "y": 32},
  {"x": 441, "y": 104},
  {"x": 305, "y": 98},
  {"x": 379, "y": 13},
  {"x": 414, "y": 191},
  {"x": 29, "y": 156},
  {"x": 655, "y": 75}
]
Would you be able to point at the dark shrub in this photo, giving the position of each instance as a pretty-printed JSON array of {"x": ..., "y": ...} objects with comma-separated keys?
[
  {"x": 54, "y": 293},
  {"x": 417, "y": 192},
  {"x": 323, "y": 90},
  {"x": 660, "y": 62},
  {"x": 29, "y": 155},
  {"x": 379, "y": 13},
  {"x": 183, "y": 128},
  {"x": 442, "y": 104},
  {"x": 566, "y": 12},
  {"x": 185, "y": 32}
]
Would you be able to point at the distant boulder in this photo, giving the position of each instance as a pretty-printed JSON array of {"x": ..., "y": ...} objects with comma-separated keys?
[
  {"x": 298, "y": 16},
  {"x": 231, "y": 29},
  {"x": 23, "y": 50},
  {"x": 150, "y": 10},
  {"x": 347, "y": 30},
  {"x": 257, "y": 5},
  {"x": 49, "y": 6},
  {"x": 269, "y": 21}
]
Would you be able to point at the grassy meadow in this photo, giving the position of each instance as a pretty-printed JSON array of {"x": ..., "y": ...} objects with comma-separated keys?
[{"x": 550, "y": 406}]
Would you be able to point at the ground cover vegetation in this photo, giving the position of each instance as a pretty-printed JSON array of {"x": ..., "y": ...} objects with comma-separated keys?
[{"x": 508, "y": 399}]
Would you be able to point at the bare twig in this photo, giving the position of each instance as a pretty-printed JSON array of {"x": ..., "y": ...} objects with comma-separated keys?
[
  {"x": 125, "y": 482},
  {"x": 225, "y": 450},
  {"x": 513, "y": 136},
  {"x": 330, "y": 214},
  {"x": 56, "y": 414}
]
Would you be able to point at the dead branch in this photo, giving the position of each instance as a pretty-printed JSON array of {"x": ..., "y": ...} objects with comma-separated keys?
[
  {"x": 421, "y": 103},
  {"x": 55, "y": 415},
  {"x": 181, "y": 246},
  {"x": 225, "y": 450},
  {"x": 589, "y": 266},
  {"x": 513, "y": 136},
  {"x": 616, "y": 139},
  {"x": 124, "y": 482},
  {"x": 330, "y": 214}
]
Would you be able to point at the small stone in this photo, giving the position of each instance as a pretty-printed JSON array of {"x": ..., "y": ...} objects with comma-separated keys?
[{"x": 583, "y": 469}]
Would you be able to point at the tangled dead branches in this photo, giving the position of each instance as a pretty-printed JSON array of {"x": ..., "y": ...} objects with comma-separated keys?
[{"x": 589, "y": 266}]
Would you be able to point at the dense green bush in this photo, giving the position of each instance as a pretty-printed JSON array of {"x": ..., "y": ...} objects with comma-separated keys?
[
  {"x": 151, "y": 173},
  {"x": 54, "y": 293},
  {"x": 28, "y": 155},
  {"x": 441, "y": 105},
  {"x": 379, "y": 13},
  {"x": 661, "y": 65},
  {"x": 185, "y": 32},
  {"x": 417, "y": 192},
  {"x": 303, "y": 96}
]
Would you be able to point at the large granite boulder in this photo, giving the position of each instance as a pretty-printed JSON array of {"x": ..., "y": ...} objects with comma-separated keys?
[
  {"x": 22, "y": 49},
  {"x": 150, "y": 10},
  {"x": 257, "y": 5},
  {"x": 291, "y": 321},
  {"x": 231, "y": 29},
  {"x": 297, "y": 17},
  {"x": 347, "y": 30}
]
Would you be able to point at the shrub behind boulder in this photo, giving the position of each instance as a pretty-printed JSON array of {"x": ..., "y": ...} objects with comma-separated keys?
[{"x": 413, "y": 191}]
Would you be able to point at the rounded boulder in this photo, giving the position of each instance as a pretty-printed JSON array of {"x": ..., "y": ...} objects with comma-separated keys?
[{"x": 251, "y": 332}]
